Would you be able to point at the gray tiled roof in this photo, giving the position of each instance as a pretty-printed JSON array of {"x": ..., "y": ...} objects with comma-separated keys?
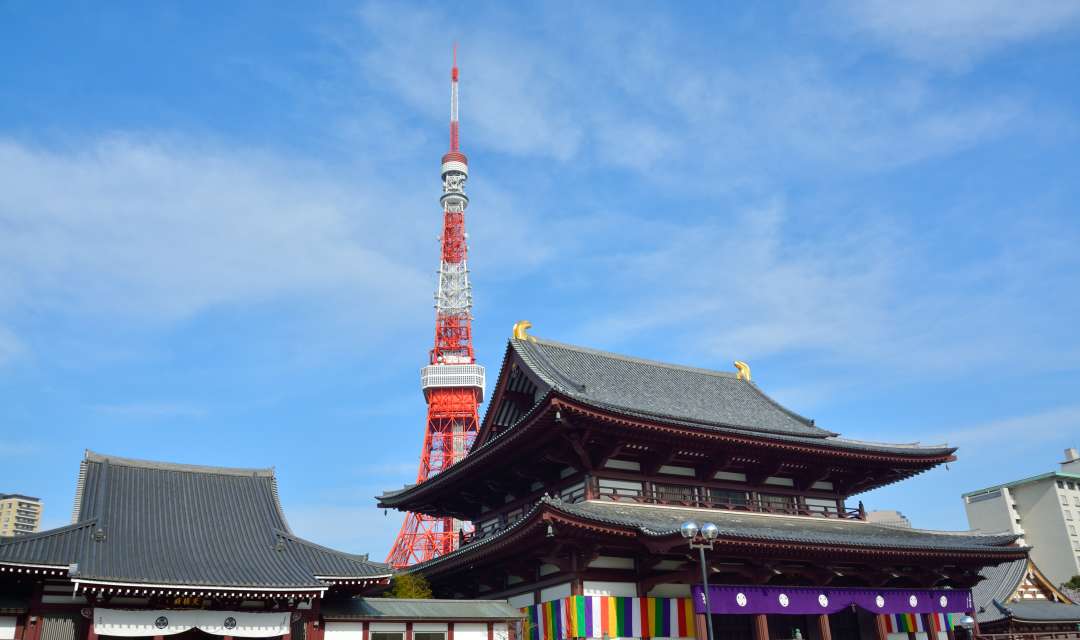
[
  {"x": 169, "y": 524},
  {"x": 404, "y": 608},
  {"x": 998, "y": 585},
  {"x": 1042, "y": 611},
  {"x": 681, "y": 395},
  {"x": 992, "y": 596},
  {"x": 663, "y": 521},
  {"x": 659, "y": 521}
]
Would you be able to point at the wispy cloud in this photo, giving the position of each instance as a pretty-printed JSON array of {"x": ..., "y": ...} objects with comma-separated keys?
[
  {"x": 583, "y": 86},
  {"x": 956, "y": 34}
]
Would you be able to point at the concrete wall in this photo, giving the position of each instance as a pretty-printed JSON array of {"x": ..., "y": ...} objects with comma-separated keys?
[{"x": 1040, "y": 508}]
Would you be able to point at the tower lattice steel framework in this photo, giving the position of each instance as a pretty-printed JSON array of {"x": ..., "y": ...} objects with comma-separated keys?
[{"x": 452, "y": 382}]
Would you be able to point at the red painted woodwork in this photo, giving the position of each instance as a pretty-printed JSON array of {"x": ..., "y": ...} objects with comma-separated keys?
[
  {"x": 761, "y": 627},
  {"x": 490, "y": 630},
  {"x": 408, "y": 631},
  {"x": 880, "y": 627},
  {"x": 824, "y": 630}
]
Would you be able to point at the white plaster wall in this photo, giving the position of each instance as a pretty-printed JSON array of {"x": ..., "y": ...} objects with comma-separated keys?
[
  {"x": 612, "y": 562},
  {"x": 429, "y": 626},
  {"x": 596, "y": 588},
  {"x": 470, "y": 631},
  {"x": 547, "y": 595},
  {"x": 7, "y": 627},
  {"x": 521, "y": 600},
  {"x": 670, "y": 590},
  {"x": 344, "y": 631},
  {"x": 388, "y": 626}
]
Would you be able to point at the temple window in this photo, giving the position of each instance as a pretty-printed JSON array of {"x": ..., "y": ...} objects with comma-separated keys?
[
  {"x": 774, "y": 502},
  {"x": 573, "y": 493},
  {"x": 727, "y": 497},
  {"x": 821, "y": 505},
  {"x": 618, "y": 488},
  {"x": 429, "y": 635},
  {"x": 675, "y": 493},
  {"x": 387, "y": 635}
]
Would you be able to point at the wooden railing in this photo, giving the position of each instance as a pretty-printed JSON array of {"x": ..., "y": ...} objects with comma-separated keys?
[
  {"x": 1030, "y": 636},
  {"x": 682, "y": 499}
]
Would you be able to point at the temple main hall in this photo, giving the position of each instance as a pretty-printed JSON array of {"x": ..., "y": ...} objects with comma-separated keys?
[{"x": 588, "y": 464}]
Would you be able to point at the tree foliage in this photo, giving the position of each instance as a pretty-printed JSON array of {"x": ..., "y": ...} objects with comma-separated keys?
[
  {"x": 409, "y": 585},
  {"x": 1074, "y": 582}
]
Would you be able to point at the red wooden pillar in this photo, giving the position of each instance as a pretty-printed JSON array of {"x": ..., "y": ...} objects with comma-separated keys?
[
  {"x": 761, "y": 627},
  {"x": 449, "y": 631},
  {"x": 365, "y": 633},
  {"x": 91, "y": 633},
  {"x": 701, "y": 629},
  {"x": 20, "y": 626},
  {"x": 159, "y": 637},
  {"x": 491, "y": 631},
  {"x": 408, "y": 631},
  {"x": 824, "y": 631}
]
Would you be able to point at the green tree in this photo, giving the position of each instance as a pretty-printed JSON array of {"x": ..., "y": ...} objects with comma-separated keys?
[
  {"x": 409, "y": 585},
  {"x": 1074, "y": 582}
]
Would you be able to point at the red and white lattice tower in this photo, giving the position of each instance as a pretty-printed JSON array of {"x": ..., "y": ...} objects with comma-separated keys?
[{"x": 453, "y": 383}]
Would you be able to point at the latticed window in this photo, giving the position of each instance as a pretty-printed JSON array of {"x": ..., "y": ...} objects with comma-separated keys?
[
  {"x": 728, "y": 497},
  {"x": 774, "y": 502}
]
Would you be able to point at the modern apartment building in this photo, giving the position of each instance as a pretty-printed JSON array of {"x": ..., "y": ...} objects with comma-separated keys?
[
  {"x": 19, "y": 514},
  {"x": 890, "y": 517},
  {"x": 1044, "y": 510}
]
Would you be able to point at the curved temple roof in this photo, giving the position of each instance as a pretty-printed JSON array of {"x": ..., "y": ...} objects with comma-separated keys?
[
  {"x": 153, "y": 523},
  {"x": 653, "y": 521},
  {"x": 683, "y": 395}
]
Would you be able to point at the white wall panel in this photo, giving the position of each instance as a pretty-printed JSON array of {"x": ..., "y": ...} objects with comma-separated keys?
[
  {"x": 470, "y": 631},
  {"x": 549, "y": 594},
  {"x": 344, "y": 631},
  {"x": 625, "y": 589}
]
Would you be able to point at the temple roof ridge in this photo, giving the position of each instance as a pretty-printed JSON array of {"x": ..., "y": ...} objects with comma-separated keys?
[{"x": 93, "y": 456}]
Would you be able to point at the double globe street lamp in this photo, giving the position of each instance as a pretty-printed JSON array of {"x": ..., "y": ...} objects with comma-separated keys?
[{"x": 702, "y": 538}]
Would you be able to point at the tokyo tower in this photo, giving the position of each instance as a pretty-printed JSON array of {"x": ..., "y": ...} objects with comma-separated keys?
[{"x": 452, "y": 382}]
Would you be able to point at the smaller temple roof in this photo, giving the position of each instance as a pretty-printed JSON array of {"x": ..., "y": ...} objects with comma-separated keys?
[
  {"x": 1001, "y": 583},
  {"x": 1040, "y": 611},
  {"x": 154, "y": 524},
  {"x": 414, "y": 609}
]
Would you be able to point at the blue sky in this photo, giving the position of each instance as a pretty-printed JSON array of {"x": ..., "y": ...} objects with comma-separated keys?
[{"x": 218, "y": 225}]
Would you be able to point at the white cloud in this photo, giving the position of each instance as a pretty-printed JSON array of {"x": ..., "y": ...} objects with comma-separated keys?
[
  {"x": 160, "y": 228},
  {"x": 956, "y": 34},
  {"x": 861, "y": 288},
  {"x": 582, "y": 86}
]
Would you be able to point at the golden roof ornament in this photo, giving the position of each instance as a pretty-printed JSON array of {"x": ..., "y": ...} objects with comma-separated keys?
[
  {"x": 520, "y": 328},
  {"x": 743, "y": 369}
]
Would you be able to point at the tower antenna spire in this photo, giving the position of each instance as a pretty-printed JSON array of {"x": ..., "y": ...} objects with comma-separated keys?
[
  {"x": 454, "y": 146},
  {"x": 452, "y": 382}
]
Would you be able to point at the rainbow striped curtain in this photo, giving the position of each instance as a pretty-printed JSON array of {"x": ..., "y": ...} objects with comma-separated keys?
[
  {"x": 610, "y": 617},
  {"x": 913, "y": 622}
]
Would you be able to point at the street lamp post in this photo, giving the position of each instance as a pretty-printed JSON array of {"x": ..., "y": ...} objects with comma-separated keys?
[{"x": 702, "y": 538}]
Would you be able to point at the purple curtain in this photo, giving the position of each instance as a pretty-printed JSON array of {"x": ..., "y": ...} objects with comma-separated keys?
[{"x": 803, "y": 600}]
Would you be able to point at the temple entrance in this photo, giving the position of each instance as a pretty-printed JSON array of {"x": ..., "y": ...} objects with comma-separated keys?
[{"x": 733, "y": 627}]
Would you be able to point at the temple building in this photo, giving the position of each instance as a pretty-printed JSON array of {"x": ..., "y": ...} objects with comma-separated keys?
[
  {"x": 588, "y": 463},
  {"x": 1016, "y": 597},
  {"x": 157, "y": 549}
]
